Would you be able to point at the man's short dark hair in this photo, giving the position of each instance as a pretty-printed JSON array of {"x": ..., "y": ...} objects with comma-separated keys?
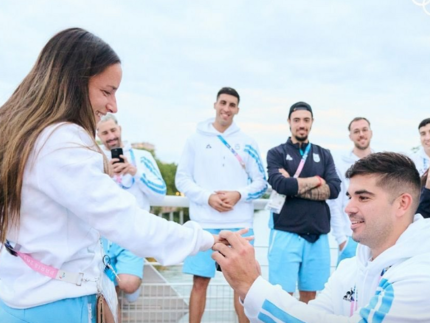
[
  {"x": 229, "y": 91},
  {"x": 357, "y": 119},
  {"x": 397, "y": 173},
  {"x": 424, "y": 123}
]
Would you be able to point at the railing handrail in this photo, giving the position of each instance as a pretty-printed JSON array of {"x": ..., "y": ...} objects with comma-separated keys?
[{"x": 182, "y": 201}]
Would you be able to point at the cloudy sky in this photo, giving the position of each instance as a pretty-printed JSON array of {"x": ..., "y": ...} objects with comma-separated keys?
[{"x": 346, "y": 58}]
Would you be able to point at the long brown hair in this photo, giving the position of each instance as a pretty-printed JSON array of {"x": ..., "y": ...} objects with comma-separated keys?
[{"x": 55, "y": 90}]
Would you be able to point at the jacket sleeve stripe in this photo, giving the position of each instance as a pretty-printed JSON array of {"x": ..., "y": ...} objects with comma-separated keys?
[
  {"x": 253, "y": 153},
  {"x": 161, "y": 189},
  {"x": 384, "y": 298},
  {"x": 256, "y": 195},
  {"x": 278, "y": 313},
  {"x": 265, "y": 318},
  {"x": 151, "y": 167}
]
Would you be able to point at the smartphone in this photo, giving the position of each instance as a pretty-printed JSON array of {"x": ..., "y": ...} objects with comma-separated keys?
[
  {"x": 218, "y": 267},
  {"x": 116, "y": 152}
]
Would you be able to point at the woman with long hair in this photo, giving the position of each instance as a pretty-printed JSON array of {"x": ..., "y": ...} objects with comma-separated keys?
[{"x": 56, "y": 197}]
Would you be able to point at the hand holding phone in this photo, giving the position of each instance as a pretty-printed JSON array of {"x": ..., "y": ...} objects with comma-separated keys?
[{"x": 116, "y": 153}]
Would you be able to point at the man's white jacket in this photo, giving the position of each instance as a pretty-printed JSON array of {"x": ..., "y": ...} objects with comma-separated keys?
[
  {"x": 421, "y": 160},
  {"x": 393, "y": 288},
  {"x": 207, "y": 165},
  {"x": 147, "y": 185}
]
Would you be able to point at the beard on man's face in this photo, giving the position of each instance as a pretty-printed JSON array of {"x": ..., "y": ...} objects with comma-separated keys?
[
  {"x": 362, "y": 147},
  {"x": 301, "y": 139},
  {"x": 113, "y": 143}
]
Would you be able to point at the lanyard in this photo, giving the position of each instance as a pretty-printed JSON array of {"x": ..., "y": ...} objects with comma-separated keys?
[
  {"x": 118, "y": 178},
  {"x": 303, "y": 160},
  {"x": 239, "y": 159},
  {"x": 354, "y": 302}
]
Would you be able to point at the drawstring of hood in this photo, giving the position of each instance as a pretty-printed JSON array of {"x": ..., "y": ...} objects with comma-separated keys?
[{"x": 206, "y": 128}]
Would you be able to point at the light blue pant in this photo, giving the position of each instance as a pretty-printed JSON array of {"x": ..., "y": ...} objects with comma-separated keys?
[
  {"x": 122, "y": 261},
  {"x": 292, "y": 258},
  {"x": 69, "y": 310},
  {"x": 202, "y": 263}
]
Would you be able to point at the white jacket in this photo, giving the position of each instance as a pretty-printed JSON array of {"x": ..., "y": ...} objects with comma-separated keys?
[
  {"x": 207, "y": 165},
  {"x": 356, "y": 291},
  {"x": 67, "y": 203},
  {"x": 147, "y": 185},
  {"x": 339, "y": 220},
  {"x": 421, "y": 160}
]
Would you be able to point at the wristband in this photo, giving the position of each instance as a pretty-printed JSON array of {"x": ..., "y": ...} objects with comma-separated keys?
[{"x": 320, "y": 182}]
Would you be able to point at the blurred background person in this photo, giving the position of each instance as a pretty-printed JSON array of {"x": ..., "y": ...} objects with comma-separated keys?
[
  {"x": 360, "y": 134},
  {"x": 221, "y": 173},
  {"x": 136, "y": 172}
]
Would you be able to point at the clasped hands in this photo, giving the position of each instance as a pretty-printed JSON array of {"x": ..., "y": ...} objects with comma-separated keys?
[
  {"x": 224, "y": 201},
  {"x": 236, "y": 256}
]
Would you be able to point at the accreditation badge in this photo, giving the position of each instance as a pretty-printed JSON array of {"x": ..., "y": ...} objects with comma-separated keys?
[{"x": 276, "y": 202}]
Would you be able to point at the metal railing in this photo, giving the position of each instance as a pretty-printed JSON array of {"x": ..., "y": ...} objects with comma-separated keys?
[
  {"x": 181, "y": 202},
  {"x": 165, "y": 291}
]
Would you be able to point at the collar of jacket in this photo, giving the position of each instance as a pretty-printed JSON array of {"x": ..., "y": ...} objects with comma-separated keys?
[{"x": 297, "y": 146}]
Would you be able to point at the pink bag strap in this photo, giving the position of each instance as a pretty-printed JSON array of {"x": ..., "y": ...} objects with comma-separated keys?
[{"x": 45, "y": 270}]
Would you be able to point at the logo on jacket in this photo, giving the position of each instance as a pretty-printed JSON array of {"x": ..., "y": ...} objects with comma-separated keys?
[
  {"x": 237, "y": 147},
  {"x": 289, "y": 157},
  {"x": 316, "y": 158},
  {"x": 349, "y": 296},
  {"x": 208, "y": 146}
]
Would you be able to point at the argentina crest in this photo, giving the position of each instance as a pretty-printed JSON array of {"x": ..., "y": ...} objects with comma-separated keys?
[{"x": 316, "y": 158}]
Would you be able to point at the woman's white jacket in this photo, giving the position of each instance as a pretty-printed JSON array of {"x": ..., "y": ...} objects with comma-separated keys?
[{"x": 67, "y": 203}]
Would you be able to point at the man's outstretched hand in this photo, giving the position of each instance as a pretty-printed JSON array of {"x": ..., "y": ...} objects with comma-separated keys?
[{"x": 237, "y": 260}]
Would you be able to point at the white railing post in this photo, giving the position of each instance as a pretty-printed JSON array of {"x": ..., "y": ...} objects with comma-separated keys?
[{"x": 181, "y": 217}]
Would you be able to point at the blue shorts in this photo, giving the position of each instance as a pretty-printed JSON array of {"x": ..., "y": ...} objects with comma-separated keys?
[
  {"x": 202, "y": 264},
  {"x": 69, "y": 310},
  {"x": 291, "y": 257},
  {"x": 348, "y": 251},
  {"x": 122, "y": 260}
]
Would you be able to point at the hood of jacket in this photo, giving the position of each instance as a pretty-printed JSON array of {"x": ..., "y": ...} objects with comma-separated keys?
[
  {"x": 349, "y": 158},
  {"x": 206, "y": 128},
  {"x": 411, "y": 243},
  {"x": 345, "y": 161},
  {"x": 421, "y": 152}
]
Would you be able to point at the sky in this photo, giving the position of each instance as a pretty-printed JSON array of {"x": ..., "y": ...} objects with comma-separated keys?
[{"x": 345, "y": 58}]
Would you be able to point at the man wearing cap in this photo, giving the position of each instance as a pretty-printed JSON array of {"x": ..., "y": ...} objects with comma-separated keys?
[
  {"x": 221, "y": 173},
  {"x": 360, "y": 134},
  {"x": 304, "y": 175}
]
